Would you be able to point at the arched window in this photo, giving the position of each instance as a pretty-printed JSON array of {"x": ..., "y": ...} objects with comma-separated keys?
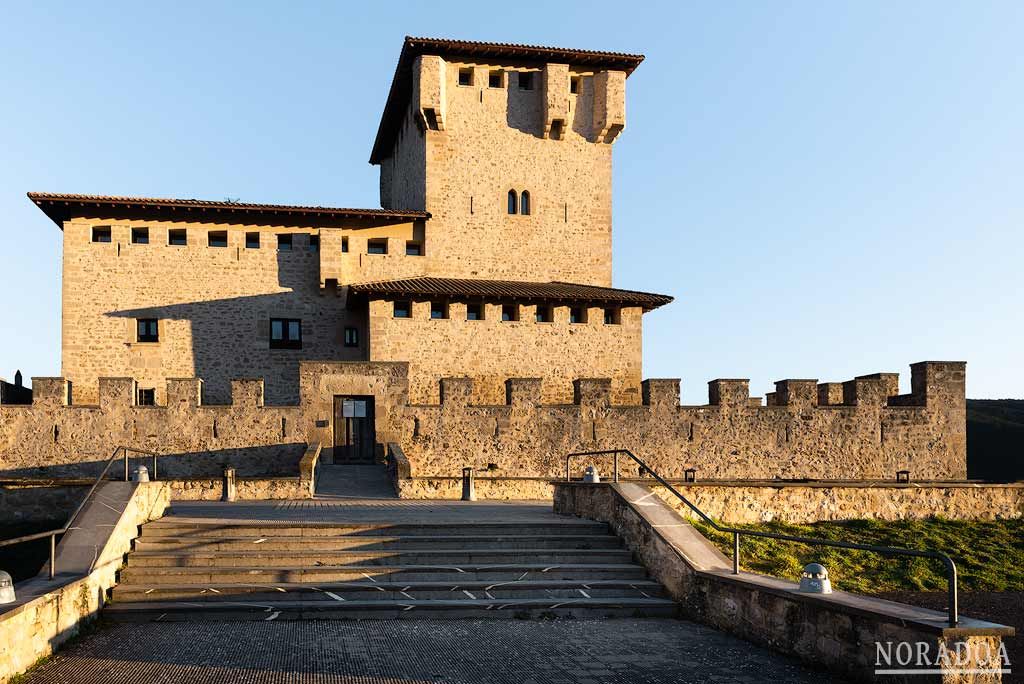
[
  {"x": 513, "y": 202},
  {"x": 524, "y": 203}
]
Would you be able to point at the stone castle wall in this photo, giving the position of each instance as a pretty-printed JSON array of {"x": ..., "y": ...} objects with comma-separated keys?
[
  {"x": 491, "y": 350},
  {"x": 872, "y": 436},
  {"x": 474, "y": 143}
]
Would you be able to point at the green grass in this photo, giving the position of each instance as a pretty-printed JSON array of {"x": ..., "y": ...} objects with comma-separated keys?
[{"x": 989, "y": 554}]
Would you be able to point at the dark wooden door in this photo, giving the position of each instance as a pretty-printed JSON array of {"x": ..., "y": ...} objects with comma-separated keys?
[{"x": 355, "y": 438}]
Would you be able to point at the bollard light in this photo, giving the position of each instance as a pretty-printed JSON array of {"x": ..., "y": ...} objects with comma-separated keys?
[
  {"x": 690, "y": 475},
  {"x": 814, "y": 579},
  {"x": 141, "y": 474},
  {"x": 903, "y": 476},
  {"x": 468, "y": 485},
  {"x": 590, "y": 475},
  {"x": 6, "y": 588}
]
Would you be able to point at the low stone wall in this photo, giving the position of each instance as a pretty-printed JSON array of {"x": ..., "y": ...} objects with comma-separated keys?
[
  {"x": 838, "y": 631},
  {"x": 751, "y": 502},
  {"x": 35, "y": 628},
  {"x": 29, "y": 501},
  {"x": 246, "y": 489},
  {"x": 508, "y": 489}
]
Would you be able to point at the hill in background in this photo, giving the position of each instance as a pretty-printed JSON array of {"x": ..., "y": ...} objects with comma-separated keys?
[{"x": 995, "y": 439}]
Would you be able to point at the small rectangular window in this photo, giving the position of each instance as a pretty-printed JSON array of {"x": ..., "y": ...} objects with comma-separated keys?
[
  {"x": 509, "y": 312},
  {"x": 465, "y": 77},
  {"x": 140, "y": 236},
  {"x": 252, "y": 240},
  {"x": 438, "y": 310},
  {"x": 177, "y": 237},
  {"x": 344, "y": 244},
  {"x": 101, "y": 234},
  {"x": 525, "y": 80},
  {"x": 544, "y": 313},
  {"x": 218, "y": 238},
  {"x": 402, "y": 309},
  {"x": 496, "y": 79},
  {"x": 577, "y": 314},
  {"x": 285, "y": 333},
  {"x": 284, "y": 242},
  {"x": 612, "y": 316},
  {"x": 351, "y": 337},
  {"x": 148, "y": 330},
  {"x": 147, "y": 396},
  {"x": 413, "y": 248},
  {"x": 574, "y": 84},
  {"x": 377, "y": 246},
  {"x": 474, "y": 311},
  {"x": 314, "y": 243}
]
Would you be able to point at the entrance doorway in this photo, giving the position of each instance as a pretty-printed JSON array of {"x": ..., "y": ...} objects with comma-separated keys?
[{"x": 355, "y": 438}]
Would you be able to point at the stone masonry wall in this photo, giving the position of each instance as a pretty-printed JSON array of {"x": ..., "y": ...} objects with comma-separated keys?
[
  {"x": 490, "y": 351},
  {"x": 872, "y": 437},
  {"x": 214, "y": 304},
  {"x": 476, "y": 142}
]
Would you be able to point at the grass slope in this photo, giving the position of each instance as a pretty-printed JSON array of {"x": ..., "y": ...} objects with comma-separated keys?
[{"x": 989, "y": 554}]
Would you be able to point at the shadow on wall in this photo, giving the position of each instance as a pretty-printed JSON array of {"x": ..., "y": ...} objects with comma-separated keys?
[
  {"x": 230, "y": 337},
  {"x": 274, "y": 460}
]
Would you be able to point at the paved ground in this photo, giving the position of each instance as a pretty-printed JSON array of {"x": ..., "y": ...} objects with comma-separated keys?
[
  {"x": 649, "y": 651},
  {"x": 367, "y": 511}
]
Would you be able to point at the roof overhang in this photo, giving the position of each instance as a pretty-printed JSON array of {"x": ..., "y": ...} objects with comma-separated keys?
[
  {"x": 466, "y": 288},
  {"x": 526, "y": 55},
  {"x": 62, "y": 207}
]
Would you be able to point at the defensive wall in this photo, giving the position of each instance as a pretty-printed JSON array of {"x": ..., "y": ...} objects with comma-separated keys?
[{"x": 864, "y": 430}]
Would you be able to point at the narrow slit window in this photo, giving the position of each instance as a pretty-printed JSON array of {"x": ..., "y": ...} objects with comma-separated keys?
[
  {"x": 147, "y": 330},
  {"x": 344, "y": 244},
  {"x": 377, "y": 246},
  {"x": 509, "y": 312},
  {"x": 544, "y": 314},
  {"x": 140, "y": 236},
  {"x": 438, "y": 310},
  {"x": 218, "y": 238},
  {"x": 314, "y": 243},
  {"x": 524, "y": 203},
  {"x": 101, "y": 234},
  {"x": 252, "y": 240},
  {"x": 285, "y": 333},
  {"x": 513, "y": 202},
  {"x": 177, "y": 237},
  {"x": 402, "y": 309},
  {"x": 147, "y": 396},
  {"x": 574, "y": 85},
  {"x": 284, "y": 242},
  {"x": 351, "y": 337}
]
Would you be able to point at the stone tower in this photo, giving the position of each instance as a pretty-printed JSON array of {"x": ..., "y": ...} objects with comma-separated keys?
[{"x": 509, "y": 148}]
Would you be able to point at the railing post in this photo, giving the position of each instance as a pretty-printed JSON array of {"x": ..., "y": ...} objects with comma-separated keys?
[
  {"x": 954, "y": 608},
  {"x": 567, "y": 458},
  {"x": 154, "y": 466},
  {"x": 126, "y": 465},
  {"x": 615, "y": 467},
  {"x": 53, "y": 555},
  {"x": 735, "y": 553}
]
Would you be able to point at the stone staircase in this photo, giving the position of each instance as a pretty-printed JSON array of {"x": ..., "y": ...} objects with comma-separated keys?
[{"x": 236, "y": 570}]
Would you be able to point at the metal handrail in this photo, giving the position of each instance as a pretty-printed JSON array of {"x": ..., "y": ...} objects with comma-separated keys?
[
  {"x": 52, "y": 534},
  {"x": 951, "y": 583}
]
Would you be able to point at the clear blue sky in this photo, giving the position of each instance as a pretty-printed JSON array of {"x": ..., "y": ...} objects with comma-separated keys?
[{"x": 828, "y": 189}]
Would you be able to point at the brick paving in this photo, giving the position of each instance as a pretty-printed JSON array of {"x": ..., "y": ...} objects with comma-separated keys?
[{"x": 633, "y": 651}]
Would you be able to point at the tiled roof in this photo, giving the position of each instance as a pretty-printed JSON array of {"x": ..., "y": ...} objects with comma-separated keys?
[
  {"x": 401, "y": 84},
  {"x": 59, "y": 207},
  {"x": 508, "y": 289}
]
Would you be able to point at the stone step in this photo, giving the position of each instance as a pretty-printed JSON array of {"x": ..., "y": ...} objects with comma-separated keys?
[
  {"x": 451, "y": 557},
  {"x": 171, "y": 527},
  {"x": 397, "y": 573},
  {"x": 393, "y": 591},
  {"x": 364, "y": 543},
  {"x": 416, "y": 609}
]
